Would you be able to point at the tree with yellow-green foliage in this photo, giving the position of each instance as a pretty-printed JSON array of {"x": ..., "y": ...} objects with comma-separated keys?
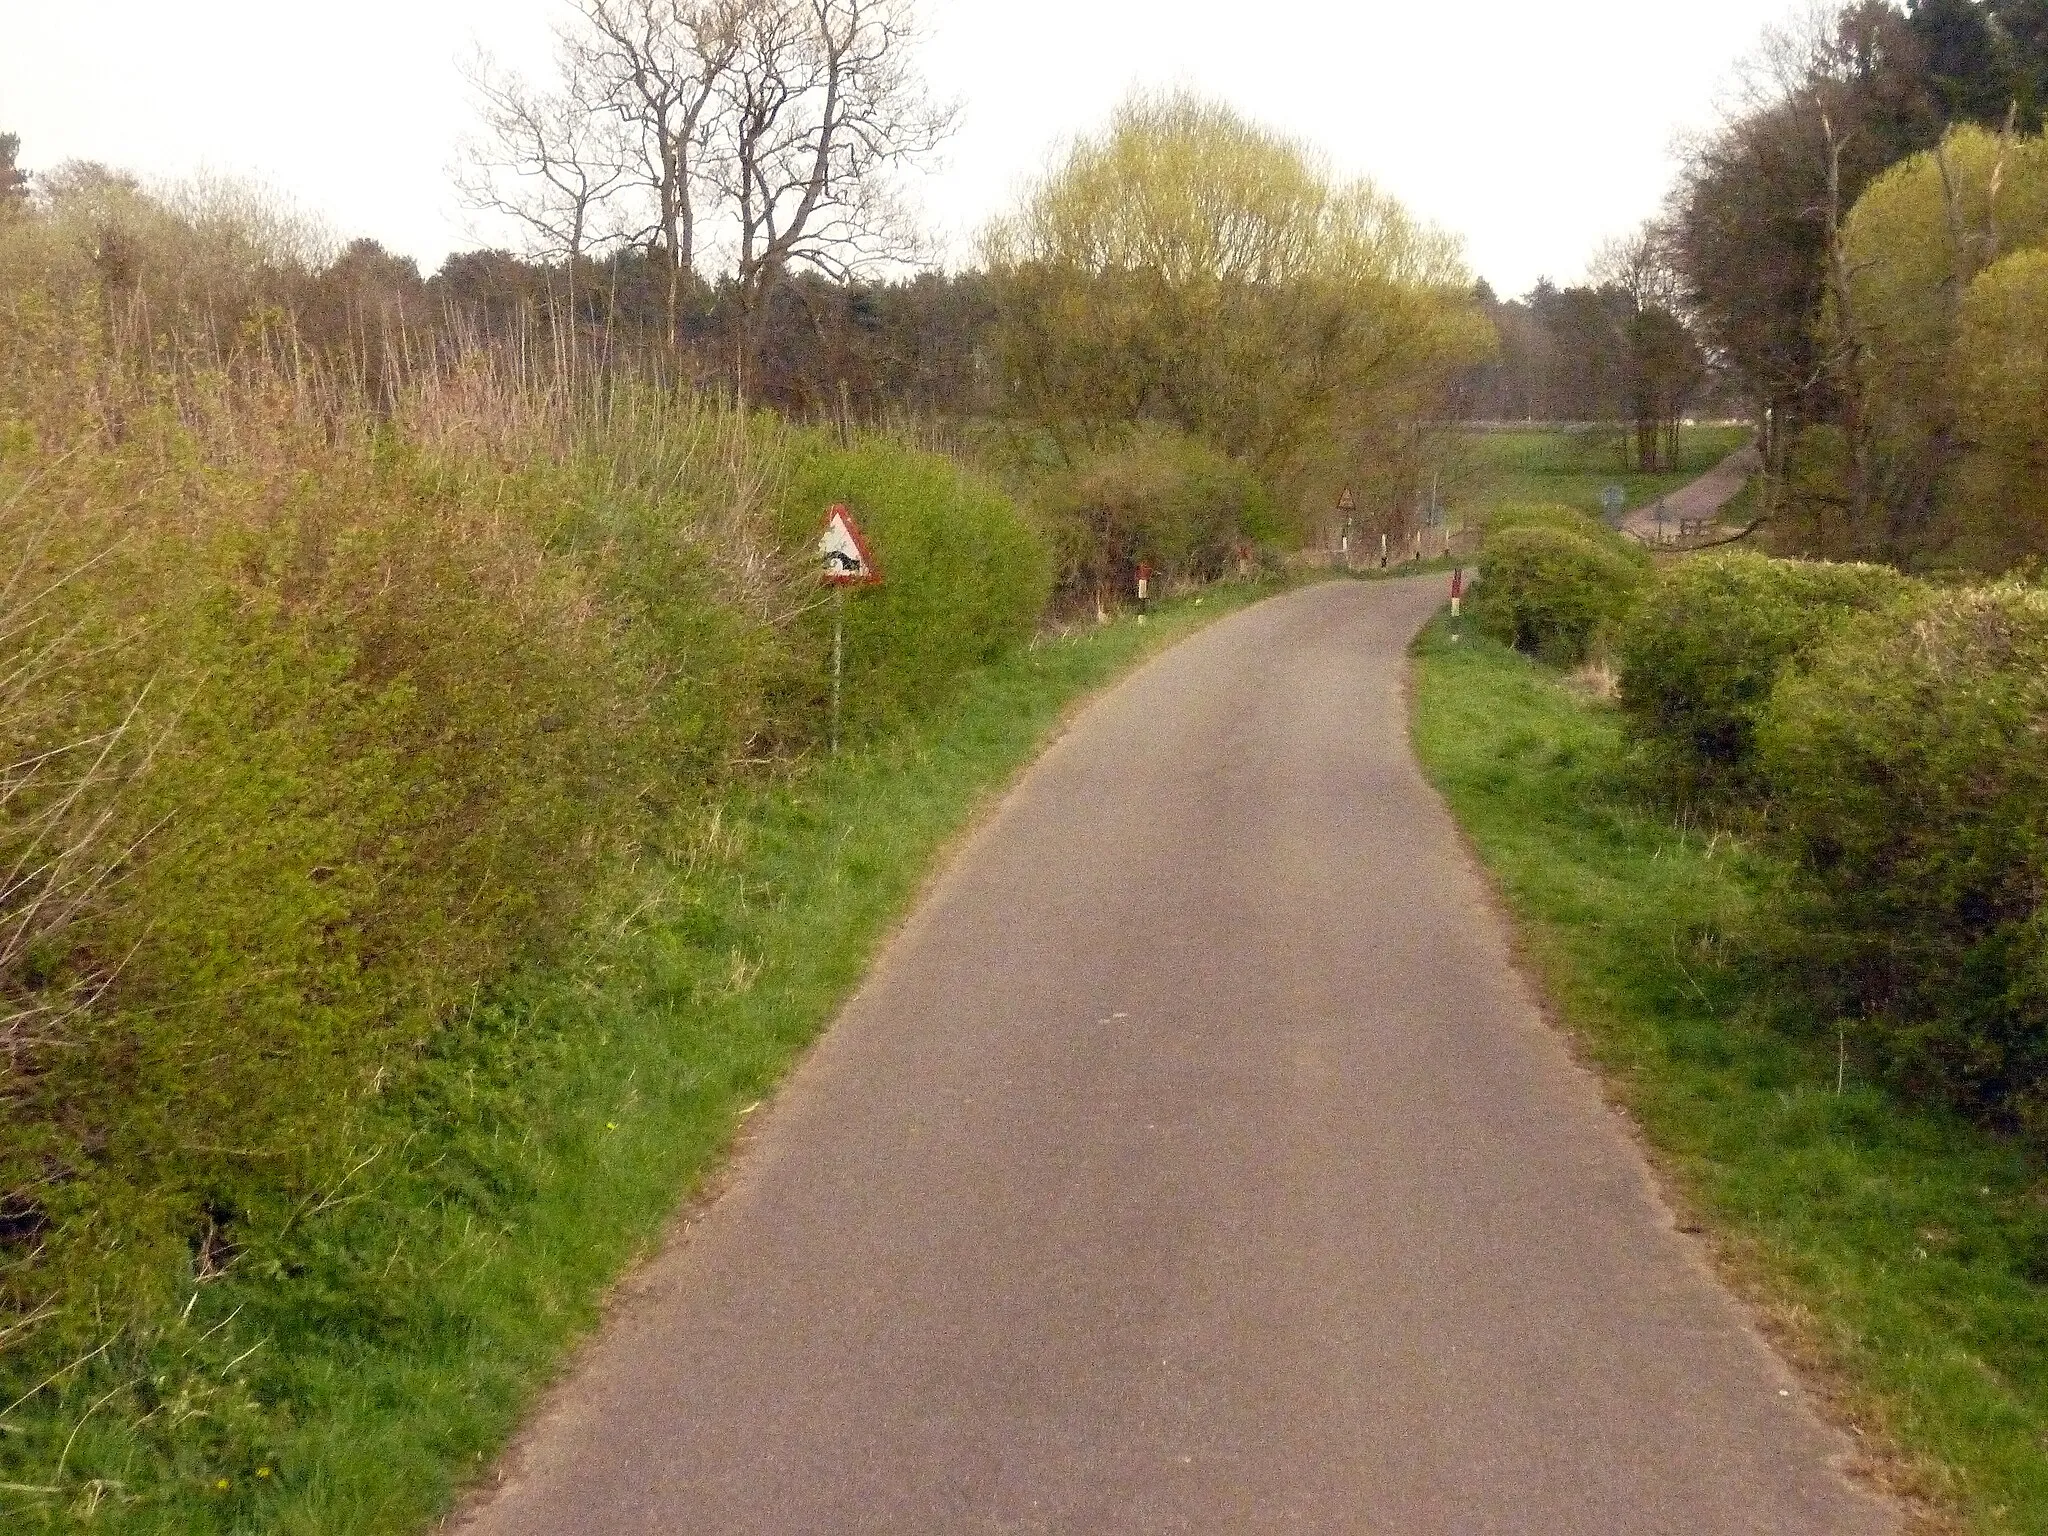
[
  {"x": 1188, "y": 267},
  {"x": 1936, "y": 330},
  {"x": 2001, "y": 373}
]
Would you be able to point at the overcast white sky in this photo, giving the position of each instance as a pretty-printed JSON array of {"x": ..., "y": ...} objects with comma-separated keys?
[{"x": 1532, "y": 130}]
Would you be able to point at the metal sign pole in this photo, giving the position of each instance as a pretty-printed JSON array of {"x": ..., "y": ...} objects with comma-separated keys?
[{"x": 838, "y": 657}]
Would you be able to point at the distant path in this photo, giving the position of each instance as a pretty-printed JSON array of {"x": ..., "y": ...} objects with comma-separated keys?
[
  {"x": 1195, "y": 1161},
  {"x": 1703, "y": 498}
]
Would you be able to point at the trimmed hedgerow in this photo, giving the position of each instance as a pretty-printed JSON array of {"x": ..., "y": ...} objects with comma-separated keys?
[
  {"x": 1553, "y": 593},
  {"x": 1705, "y": 646},
  {"x": 1564, "y": 520},
  {"x": 1907, "y": 764},
  {"x": 965, "y": 576}
]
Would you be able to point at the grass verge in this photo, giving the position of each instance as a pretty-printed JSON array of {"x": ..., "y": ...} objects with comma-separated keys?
[
  {"x": 558, "y": 1128},
  {"x": 1899, "y": 1256}
]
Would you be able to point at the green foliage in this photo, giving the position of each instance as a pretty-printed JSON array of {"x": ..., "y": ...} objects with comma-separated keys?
[
  {"x": 2000, "y": 495},
  {"x": 1561, "y": 519},
  {"x": 338, "y": 740},
  {"x": 327, "y": 720},
  {"x": 1919, "y": 236},
  {"x": 13, "y": 179},
  {"x": 1936, "y": 320},
  {"x": 966, "y": 576},
  {"x": 1910, "y": 783},
  {"x": 1705, "y": 646},
  {"x": 1158, "y": 498},
  {"x": 1553, "y": 592}
]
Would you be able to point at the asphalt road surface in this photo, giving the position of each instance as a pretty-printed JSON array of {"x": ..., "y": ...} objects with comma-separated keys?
[{"x": 1194, "y": 1161}]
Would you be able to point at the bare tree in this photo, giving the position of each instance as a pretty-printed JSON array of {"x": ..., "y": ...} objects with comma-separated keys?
[
  {"x": 768, "y": 131},
  {"x": 658, "y": 65},
  {"x": 550, "y": 159},
  {"x": 821, "y": 106}
]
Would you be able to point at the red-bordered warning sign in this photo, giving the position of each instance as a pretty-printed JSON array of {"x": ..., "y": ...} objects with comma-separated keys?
[{"x": 845, "y": 552}]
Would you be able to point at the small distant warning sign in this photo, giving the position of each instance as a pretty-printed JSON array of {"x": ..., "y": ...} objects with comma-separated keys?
[{"x": 845, "y": 552}]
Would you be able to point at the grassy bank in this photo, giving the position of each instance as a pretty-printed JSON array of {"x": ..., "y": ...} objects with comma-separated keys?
[
  {"x": 1570, "y": 468},
  {"x": 1900, "y": 1255},
  {"x": 546, "y": 1145}
]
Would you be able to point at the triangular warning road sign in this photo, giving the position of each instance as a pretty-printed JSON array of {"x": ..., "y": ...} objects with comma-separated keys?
[{"x": 845, "y": 552}]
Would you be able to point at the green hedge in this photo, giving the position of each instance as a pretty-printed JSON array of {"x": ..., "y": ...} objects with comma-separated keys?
[
  {"x": 365, "y": 748},
  {"x": 1908, "y": 768},
  {"x": 1158, "y": 498},
  {"x": 1553, "y": 592},
  {"x": 965, "y": 576},
  {"x": 1703, "y": 649},
  {"x": 336, "y": 716}
]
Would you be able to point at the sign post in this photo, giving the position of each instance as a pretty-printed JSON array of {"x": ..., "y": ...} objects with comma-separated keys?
[
  {"x": 1347, "y": 504},
  {"x": 847, "y": 564},
  {"x": 838, "y": 655}
]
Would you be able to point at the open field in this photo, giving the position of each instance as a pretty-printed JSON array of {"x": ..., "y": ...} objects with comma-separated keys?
[
  {"x": 1567, "y": 467},
  {"x": 1898, "y": 1254}
]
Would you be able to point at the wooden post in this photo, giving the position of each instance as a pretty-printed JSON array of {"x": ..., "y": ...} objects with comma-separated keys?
[{"x": 838, "y": 658}]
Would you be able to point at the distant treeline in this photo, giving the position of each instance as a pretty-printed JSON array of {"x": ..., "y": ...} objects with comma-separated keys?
[
  {"x": 1612, "y": 350},
  {"x": 211, "y": 259},
  {"x": 917, "y": 345},
  {"x": 1857, "y": 258}
]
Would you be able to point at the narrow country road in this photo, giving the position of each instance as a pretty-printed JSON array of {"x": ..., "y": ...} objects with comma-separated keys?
[{"x": 1194, "y": 1161}]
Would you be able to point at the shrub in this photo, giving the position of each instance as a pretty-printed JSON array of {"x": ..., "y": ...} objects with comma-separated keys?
[
  {"x": 1703, "y": 649},
  {"x": 1160, "y": 498},
  {"x": 371, "y": 743},
  {"x": 1909, "y": 766},
  {"x": 1551, "y": 592},
  {"x": 337, "y": 713},
  {"x": 965, "y": 574}
]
